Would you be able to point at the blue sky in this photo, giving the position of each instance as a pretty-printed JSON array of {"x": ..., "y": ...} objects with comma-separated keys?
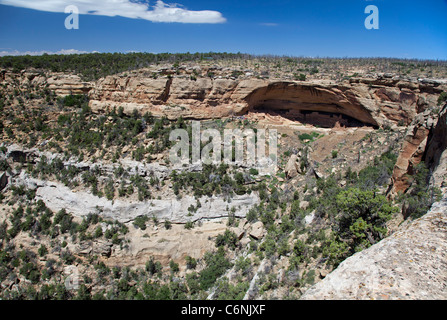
[{"x": 320, "y": 28}]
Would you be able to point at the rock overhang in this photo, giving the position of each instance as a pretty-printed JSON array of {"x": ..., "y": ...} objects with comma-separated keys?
[{"x": 296, "y": 98}]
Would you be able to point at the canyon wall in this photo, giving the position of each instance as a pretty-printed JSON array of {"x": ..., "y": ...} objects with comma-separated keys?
[
  {"x": 375, "y": 103},
  {"x": 425, "y": 140},
  {"x": 385, "y": 100}
]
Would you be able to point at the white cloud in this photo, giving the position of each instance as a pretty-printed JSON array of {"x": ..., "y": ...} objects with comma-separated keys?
[
  {"x": 160, "y": 12},
  {"x": 269, "y": 24},
  {"x": 39, "y": 53}
]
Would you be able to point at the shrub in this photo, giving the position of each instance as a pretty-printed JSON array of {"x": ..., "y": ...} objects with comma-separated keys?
[
  {"x": 74, "y": 100},
  {"x": 168, "y": 224},
  {"x": 227, "y": 291},
  {"x": 228, "y": 239},
  {"x": 442, "y": 98},
  {"x": 153, "y": 267},
  {"x": 420, "y": 196},
  {"x": 64, "y": 220},
  {"x": 379, "y": 173},
  {"x": 216, "y": 265},
  {"x": 140, "y": 222},
  {"x": 31, "y": 272},
  {"x": 109, "y": 190},
  {"x": 191, "y": 262},
  {"x": 98, "y": 232},
  {"x": 174, "y": 266},
  {"x": 362, "y": 216},
  {"x": 335, "y": 250},
  {"x": 252, "y": 215},
  {"x": 253, "y": 171},
  {"x": 42, "y": 250},
  {"x": 300, "y": 77}
]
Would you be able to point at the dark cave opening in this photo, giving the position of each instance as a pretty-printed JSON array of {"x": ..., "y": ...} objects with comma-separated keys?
[
  {"x": 324, "y": 119},
  {"x": 316, "y": 105}
]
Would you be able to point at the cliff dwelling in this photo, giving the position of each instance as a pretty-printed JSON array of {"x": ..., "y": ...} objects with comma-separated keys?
[
  {"x": 312, "y": 105},
  {"x": 316, "y": 118}
]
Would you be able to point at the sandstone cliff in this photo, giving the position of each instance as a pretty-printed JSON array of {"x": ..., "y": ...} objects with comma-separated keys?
[
  {"x": 385, "y": 100},
  {"x": 375, "y": 102},
  {"x": 425, "y": 140}
]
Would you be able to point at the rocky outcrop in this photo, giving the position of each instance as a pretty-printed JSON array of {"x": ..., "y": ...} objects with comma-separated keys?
[
  {"x": 375, "y": 102},
  {"x": 383, "y": 100},
  {"x": 424, "y": 141},
  {"x": 65, "y": 84},
  {"x": 61, "y": 84},
  {"x": 291, "y": 168},
  {"x": 164, "y": 245},
  {"x": 436, "y": 151},
  {"x": 257, "y": 230},
  {"x": 203, "y": 98},
  {"x": 409, "y": 264},
  {"x": 297, "y": 98},
  {"x": 98, "y": 247},
  {"x": 412, "y": 152},
  {"x": 56, "y": 196}
]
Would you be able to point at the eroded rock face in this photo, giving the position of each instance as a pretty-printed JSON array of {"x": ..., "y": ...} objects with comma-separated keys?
[
  {"x": 373, "y": 102},
  {"x": 425, "y": 140},
  {"x": 411, "y": 152},
  {"x": 384, "y": 100},
  {"x": 291, "y": 168},
  {"x": 436, "y": 151},
  {"x": 409, "y": 264},
  {"x": 296, "y": 97},
  {"x": 56, "y": 197},
  {"x": 66, "y": 84}
]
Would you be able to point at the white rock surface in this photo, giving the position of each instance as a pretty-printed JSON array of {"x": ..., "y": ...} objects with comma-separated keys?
[{"x": 57, "y": 196}]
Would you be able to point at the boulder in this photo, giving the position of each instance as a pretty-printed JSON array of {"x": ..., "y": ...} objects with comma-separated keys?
[
  {"x": 102, "y": 247},
  {"x": 83, "y": 249},
  {"x": 291, "y": 168},
  {"x": 257, "y": 230}
]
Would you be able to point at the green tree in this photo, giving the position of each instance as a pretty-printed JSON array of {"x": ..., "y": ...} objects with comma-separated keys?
[
  {"x": 420, "y": 196},
  {"x": 174, "y": 266},
  {"x": 362, "y": 216},
  {"x": 442, "y": 98},
  {"x": 153, "y": 267},
  {"x": 216, "y": 265},
  {"x": 42, "y": 250},
  {"x": 228, "y": 238}
]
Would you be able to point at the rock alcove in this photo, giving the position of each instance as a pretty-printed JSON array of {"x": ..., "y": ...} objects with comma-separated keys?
[{"x": 310, "y": 104}]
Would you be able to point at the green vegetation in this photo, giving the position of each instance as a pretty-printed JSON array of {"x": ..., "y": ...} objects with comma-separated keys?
[
  {"x": 420, "y": 196},
  {"x": 216, "y": 265},
  {"x": 96, "y": 65},
  {"x": 228, "y": 239},
  {"x": 308, "y": 137},
  {"x": 212, "y": 180},
  {"x": 442, "y": 98},
  {"x": 140, "y": 222}
]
